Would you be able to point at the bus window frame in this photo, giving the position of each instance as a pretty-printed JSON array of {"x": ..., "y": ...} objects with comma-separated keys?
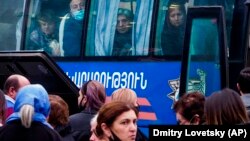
[
  {"x": 82, "y": 57},
  {"x": 196, "y": 12},
  {"x": 150, "y": 57}
]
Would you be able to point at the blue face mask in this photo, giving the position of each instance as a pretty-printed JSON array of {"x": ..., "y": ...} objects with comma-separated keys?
[{"x": 78, "y": 15}]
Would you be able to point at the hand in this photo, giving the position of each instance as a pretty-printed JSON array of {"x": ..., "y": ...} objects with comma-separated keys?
[{"x": 55, "y": 48}]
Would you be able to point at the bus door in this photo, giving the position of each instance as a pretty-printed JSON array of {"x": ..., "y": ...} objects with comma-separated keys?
[
  {"x": 204, "y": 63},
  {"x": 247, "y": 34}
]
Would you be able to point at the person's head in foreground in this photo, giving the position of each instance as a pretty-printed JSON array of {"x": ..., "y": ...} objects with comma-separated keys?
[
  {"x": 225, "y": 107},
  {"x": 117, "y": 121}
]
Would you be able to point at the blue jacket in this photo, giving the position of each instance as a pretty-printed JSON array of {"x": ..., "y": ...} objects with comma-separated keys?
[{"x": 72, "y": 37}]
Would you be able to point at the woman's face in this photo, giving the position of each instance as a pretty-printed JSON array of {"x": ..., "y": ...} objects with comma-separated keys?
[
  {"x": 81, "y": 99},
  {"x": 47, "y": 27},
  {"x": 122, "y": 24},
  {"x": 176, "y": 17},
  {"x": 125, "y": 126},
  {"x": 93, "y": 136}
]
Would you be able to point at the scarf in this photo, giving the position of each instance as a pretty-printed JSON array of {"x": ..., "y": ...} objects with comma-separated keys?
[{"x": 36, "y": 96}]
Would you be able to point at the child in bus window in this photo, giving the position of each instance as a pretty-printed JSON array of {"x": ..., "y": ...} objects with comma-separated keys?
[
  {"x": 173, "y": 31},
  {"x": 123, "y": 36},
  {"x": 45, "y": 36}
]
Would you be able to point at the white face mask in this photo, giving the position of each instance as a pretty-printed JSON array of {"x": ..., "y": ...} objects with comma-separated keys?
[{"x": 78, "y": 15}]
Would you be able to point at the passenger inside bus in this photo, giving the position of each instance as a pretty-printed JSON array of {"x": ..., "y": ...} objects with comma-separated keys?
[
  {"x": 70, "y": 30},
  {"x": 123, "y": 35},
  {"x": 174, "y": 27},
  {"x": 45, "y": 36}
]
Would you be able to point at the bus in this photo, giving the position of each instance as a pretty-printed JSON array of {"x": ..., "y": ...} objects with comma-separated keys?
[{"x": 135, "y": 44}]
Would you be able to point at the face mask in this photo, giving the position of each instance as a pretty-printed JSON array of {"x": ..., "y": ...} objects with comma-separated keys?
[
  {"x": 78, "y": 15},
  {"x": 113, "y": 137}
]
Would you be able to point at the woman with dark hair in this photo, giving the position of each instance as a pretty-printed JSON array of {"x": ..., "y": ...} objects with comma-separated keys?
[
  {"x": 92, "y": 96},
  {"x": 59, "y": 117},
  {"x": 117, "y": 121},
  {"x": 128, "y": 96},
  {"x": 172, "y": 36},
  {"x": 123, "y": 35},
  {"x": 225, "y": 107},
  {"x": 189, "y": 109}
]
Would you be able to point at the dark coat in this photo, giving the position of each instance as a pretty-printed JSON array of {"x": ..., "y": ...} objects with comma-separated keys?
[
  {"x": 172, "y": 39},
  {"x": 122, "y": 44},
  {"x": 80, "y": 124},
  {"x": 14, "y": 131},
  {"x": 65, "y": 132},
  {"x": 72, "y": 37}
]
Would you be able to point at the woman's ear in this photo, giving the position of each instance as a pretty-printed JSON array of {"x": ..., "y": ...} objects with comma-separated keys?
[
  {"x": 106, "y": 130},
  {"x": 196, "y": 119},
  {"x": 84, "y": 100}
]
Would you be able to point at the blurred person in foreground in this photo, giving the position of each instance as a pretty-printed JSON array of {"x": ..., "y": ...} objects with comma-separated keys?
[
  {"x": 93, "y": 124},
  {"x": 11, "y": 86},
  {"x": 189, "y": 109},
  {"x": 117, "y": 121},
  {"x": 29, "y": 120},
  {"x": 92, "y": 96},
  {"x": 225, "y": 107},
  {"x": 59, "y": 117},
  {"x": 243, "y": 84},
  {"x": 128, "y": 96}
]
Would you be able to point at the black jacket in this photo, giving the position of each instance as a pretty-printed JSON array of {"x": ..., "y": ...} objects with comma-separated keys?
[
  {"x": 65, "y": 132},
  {"x": 80, "y": 124},
  {"x": 14, "y": 131}
]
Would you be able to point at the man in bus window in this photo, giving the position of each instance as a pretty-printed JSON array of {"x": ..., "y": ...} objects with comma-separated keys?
[
  {"x": 70, "y": 30},
  {"x": 123, "y": 36}
]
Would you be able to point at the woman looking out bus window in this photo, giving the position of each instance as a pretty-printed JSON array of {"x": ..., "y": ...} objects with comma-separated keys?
[
  {"x": 173, "y": 32},
  {"x": 123, "y": 34}
]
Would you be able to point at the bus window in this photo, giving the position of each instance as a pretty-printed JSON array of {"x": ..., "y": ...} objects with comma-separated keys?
[
  {"x": 204, "y": 57},
  {"x": 119, "y": 28},
  {"x": 206, "y": 52},
  {"x": 55, "y": 29},
  {"x": 11, "y": 11},
  {"x": 203, "y": 32},
  {"x": 172, "y": 33},
  {"x": 169, "y": 39},
  {"x": 228, "y": 6},
  {"x": 45, "y": 35}
]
